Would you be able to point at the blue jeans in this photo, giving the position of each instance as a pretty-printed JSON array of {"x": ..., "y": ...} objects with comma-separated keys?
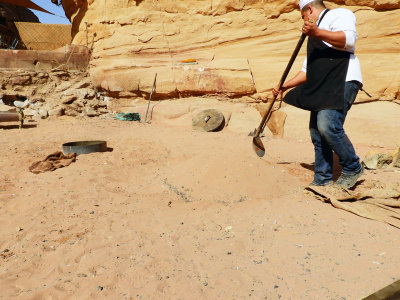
[{"x": 327, "y": 135}]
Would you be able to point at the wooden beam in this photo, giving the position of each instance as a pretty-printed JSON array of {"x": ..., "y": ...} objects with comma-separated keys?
[{"x": 26, "y": 4}]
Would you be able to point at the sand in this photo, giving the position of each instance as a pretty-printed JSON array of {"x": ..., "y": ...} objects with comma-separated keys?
[{"x": 171, "y": 213}]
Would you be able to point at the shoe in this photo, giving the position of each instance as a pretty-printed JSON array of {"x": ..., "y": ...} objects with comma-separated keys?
[
  {"x": 348, "y": 181},
  {"x": 315, "y": 183}
]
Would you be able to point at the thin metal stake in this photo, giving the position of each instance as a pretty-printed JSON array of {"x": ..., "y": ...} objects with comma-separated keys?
[{"x": 152, "y": 89}]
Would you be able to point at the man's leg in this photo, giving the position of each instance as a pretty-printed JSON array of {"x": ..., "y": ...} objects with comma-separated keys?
[
  {"x": 330, "y": 125},
  {"x": 323, "y": 154}
]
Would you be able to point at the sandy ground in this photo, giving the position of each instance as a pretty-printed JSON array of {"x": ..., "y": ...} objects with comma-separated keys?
[{"x": 170, "y": 213}]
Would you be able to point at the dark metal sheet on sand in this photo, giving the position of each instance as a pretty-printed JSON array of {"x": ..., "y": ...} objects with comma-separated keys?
[{"x": 84, "y": 147}]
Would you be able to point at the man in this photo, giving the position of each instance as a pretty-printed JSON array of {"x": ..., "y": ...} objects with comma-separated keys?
[{"x": 327, "y": 85}]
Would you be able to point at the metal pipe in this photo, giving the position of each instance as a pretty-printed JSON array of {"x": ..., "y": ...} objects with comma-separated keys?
[{"x": 6, "y": 116}]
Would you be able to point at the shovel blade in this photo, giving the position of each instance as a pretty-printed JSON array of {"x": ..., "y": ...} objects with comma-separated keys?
[{"x": 258, "y": 146}]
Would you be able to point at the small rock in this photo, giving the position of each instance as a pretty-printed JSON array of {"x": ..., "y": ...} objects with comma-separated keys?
[
  {"x": 71, "y": 112},
  {"x": 228, "y": 228},
  {"x": 79, "y": 103},
  {"x": 43, "y": 113},
  {"x": 30, "y": 112},
  {"x": 86, "y": 93},
  {"x": 21, "y": 80},
  {"x": 99, "y": 288},
  {"x": 91, "y": 112},
  {"x": 42, "y": 75},
  {"x": 375, "y": 160},
  {"x": 82, "y": 93},
  {"x": 102, "y": 104},
  {"x": 56, "y": 112},
  {"x": 94, "y": 103},
  {"x": 69, "y": 99},
  {"x": 36, "y": 117},
  {"x": 102, "y": 110},
  {"x": 21, "y": 104},
  {"x": 83, "y": 84},
  {"x": 36, "y": 99},
  {"x": 396, "y": 158}
]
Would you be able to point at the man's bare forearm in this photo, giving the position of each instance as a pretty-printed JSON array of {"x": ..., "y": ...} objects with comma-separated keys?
[
  {"x": 335, "y": 38},
  {"x": 298, "y": 79},
  {"x": 295, "y": 81}
]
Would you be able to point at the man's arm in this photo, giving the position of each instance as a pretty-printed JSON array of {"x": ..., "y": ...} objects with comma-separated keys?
[
  {"x": 335, "y": 38},
  {"x": 342, "y": 33},
  {"x": 295, "y": 81}
]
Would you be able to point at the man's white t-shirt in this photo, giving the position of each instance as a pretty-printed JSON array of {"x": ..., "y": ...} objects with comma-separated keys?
[{"x": 342, "y": 19}]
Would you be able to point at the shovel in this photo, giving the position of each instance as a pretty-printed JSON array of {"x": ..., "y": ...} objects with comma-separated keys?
[{"x": 257, "y": 143}]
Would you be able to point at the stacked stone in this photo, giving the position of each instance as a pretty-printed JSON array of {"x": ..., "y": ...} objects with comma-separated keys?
[{"x": 52, "y": 94}]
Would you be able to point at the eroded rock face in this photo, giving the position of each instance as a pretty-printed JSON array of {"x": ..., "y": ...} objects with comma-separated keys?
[{"x": 240, "y": 46}]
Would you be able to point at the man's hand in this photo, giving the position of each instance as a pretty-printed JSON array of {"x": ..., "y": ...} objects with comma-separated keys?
[
  {"x": 295, "y": 81},
  {"x": 310, "y": 28},
  {"x": 276, "y": 91}
]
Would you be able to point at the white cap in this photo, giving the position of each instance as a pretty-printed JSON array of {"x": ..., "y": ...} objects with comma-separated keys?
[{"x": 303, "y": 3}]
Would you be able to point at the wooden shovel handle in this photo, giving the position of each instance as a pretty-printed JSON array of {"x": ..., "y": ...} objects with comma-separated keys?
[{"x": 281, "y": 82}]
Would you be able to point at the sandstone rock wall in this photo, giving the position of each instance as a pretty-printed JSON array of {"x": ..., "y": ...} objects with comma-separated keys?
[{"x": 240, "y": 47}]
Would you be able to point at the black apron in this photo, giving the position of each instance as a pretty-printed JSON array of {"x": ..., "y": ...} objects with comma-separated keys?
[{"x": 326, "y": 76}]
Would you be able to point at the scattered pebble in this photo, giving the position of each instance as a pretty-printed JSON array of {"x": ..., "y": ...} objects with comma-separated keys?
[{"x": 228, "y": 228}]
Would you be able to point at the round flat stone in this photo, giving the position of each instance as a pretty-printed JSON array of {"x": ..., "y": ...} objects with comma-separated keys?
[{"x": 208, "y": 120}]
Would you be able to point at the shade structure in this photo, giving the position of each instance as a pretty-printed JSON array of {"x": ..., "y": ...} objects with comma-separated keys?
[
  {"x": 38, "y": 36},
  {"x": 26, "y": 3}
]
